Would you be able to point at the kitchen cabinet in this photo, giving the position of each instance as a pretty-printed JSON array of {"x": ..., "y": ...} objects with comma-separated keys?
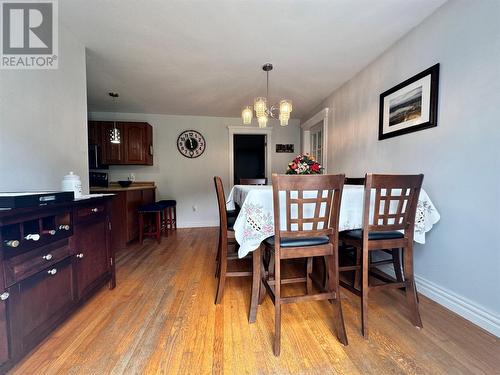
[
  {"x": 92, "y": 261},
  {"x": 135, "y": 147},
  {"x": 126, "y": 202},
  {"x": 43, "y": 281}
]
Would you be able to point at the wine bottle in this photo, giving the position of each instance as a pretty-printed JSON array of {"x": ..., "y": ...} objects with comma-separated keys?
[
  {"x": 33, "y": 237},
  {"x": 11, "y": 243},
  {"x": 52, "y": 232},
  {"x": 63, "y": 227}
]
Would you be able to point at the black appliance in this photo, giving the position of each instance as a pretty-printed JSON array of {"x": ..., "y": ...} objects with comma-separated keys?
[
  {"x": 98, "y": 179},
  {"x": 95, "y": 157},
  {"x": 34, "y": 199}
]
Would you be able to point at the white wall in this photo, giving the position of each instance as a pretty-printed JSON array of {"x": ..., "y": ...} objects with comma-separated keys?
[
  {"x": 43, "y": 122},
  {"x": 459, "y": 266},
  {"x": 190, "y": 181}
]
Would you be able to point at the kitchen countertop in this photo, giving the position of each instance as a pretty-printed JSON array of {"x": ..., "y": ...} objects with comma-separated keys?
[{"x": 115, "y": 187}]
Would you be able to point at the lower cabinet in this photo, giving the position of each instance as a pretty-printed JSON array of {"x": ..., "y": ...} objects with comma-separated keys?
[
  {"x": 4, "y": 342},
  {"x": 92, "y": 261},
  {"x": 43, "y": 281},
  {"x": 38, "y": 303}
]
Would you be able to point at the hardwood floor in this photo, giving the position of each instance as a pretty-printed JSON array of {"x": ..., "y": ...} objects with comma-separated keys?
[{"x": 161, "y": 318}]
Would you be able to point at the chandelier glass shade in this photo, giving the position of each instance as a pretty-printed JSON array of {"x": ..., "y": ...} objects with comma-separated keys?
[
  {"x": 260, "y": 105},
  {"x": 247, "y": 115},
  {"x": 114, "y": 134},
  {"x": 263, "y": 111},
  {"x": 262, "y": 120}
]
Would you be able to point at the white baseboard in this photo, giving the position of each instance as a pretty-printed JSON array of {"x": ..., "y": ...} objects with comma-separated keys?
[
  {"x": 458, "y": 304},
  {"x": 198, "y": 224}
]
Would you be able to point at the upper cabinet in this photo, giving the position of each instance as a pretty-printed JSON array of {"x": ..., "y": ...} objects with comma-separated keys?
[{"x": 135, "y": 147}]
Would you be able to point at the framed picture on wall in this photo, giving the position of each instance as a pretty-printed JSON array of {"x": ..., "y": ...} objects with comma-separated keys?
[{"x": 410, "y": 106}]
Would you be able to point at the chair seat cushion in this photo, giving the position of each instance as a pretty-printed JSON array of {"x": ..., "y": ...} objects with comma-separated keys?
[
  {"x": 358, "y": 234},
  {"x": 152, "y": 207},
  {"x": 299, "y": 242},
  {"x": 168, "y": 203},
  {"x": 230, "y": 222}
]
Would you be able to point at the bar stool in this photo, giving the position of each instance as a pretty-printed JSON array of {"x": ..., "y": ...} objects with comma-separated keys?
[
  {"x": 170, "y": 213},
  {"x": 153, "y": 209}
]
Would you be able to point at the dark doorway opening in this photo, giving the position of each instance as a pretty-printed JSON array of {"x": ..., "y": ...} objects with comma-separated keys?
[{"x": 249, "y": 156}]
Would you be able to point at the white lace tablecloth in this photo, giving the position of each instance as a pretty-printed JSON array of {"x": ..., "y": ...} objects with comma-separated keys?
[{"x": 255, "y": 222}]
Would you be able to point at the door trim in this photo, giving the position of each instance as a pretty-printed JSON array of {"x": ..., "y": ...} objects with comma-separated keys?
[
  {"x": 232, "y": 130},
  {"x": 306, "y": 134}
]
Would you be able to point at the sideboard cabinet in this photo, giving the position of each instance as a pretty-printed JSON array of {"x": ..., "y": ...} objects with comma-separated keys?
[{"x": 52, "y": 259}]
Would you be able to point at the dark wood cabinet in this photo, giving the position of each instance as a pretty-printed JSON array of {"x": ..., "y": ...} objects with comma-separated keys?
[
  {"x": 38, "y": 303},
  {"x": 4, "y": 338},
  {"x": 135, "y": 142},
  {"x": 42, "y": 282},
  {"x": 135, "y": 147},
  {"x": 125, "y": 205},
  {"x": 91, "y": 258}
]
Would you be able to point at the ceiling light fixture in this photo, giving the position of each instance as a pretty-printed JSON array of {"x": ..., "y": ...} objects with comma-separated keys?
[
  {"x": 114, "y": 134},
  {"x": 262, "y": 111}
]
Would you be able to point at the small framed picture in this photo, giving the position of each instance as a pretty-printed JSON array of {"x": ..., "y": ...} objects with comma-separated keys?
[{"x": 410, "y": 106}]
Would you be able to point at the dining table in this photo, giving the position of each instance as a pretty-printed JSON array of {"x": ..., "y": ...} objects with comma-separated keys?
[{"x": 255, "y": 220}]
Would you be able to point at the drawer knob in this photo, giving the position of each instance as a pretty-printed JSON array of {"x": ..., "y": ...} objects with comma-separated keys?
[
  {"x": 79, "y": 255},
  {"x": 4, "y": 296},
  {"x": 53, "y": 271},
  {"x": 95, "y": 209},
  {"x": 47, "y": 257}
]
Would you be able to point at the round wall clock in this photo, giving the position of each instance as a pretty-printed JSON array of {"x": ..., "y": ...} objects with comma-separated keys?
[{"x": 191, "y": 144}]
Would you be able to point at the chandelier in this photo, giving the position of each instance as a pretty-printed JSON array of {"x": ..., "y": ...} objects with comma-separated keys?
[{"x": 263, "y": 110}]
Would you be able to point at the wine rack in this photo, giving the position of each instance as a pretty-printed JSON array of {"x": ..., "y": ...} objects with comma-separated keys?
[{"x": 26, "y": 235}]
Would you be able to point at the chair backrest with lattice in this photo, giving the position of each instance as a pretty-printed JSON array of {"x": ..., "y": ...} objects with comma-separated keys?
[
  {"x": 221, "y": 200},
  {"x": 252, "y": 181},
  {"x": 390, "y": 202},
  {"x": 311, "y": 203}
]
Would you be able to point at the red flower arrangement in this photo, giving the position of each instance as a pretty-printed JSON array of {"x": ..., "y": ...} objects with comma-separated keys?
[{"x": 304, "y": 164}]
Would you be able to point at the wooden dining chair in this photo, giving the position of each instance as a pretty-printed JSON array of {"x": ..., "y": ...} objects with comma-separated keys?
[
  {"x": 253, "y": 181},
  {"x": 394, "y": 260},
  {"x": 311, "y": 224},
  {"x": 394, "y": 205},
  {"x": 226, "y": 240}
]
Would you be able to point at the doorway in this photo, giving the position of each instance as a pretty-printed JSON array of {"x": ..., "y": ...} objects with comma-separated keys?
[{"x": 249, "y": 155}]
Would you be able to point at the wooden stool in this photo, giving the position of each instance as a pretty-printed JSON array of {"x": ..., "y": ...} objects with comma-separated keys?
[
  {"x": 156, "y": 210},
  {"x": 170, "y": 213}
]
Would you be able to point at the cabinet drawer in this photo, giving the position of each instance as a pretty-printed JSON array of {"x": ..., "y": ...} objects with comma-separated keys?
[
  {"x": 24, "y": 265},
  {"x": 91, "y": 212}
]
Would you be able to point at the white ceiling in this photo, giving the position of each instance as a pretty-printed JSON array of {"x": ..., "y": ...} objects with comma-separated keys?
[{"x": 204, "y": 57}]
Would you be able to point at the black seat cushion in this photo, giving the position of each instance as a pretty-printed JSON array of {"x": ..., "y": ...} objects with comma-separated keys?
[
  {"x": 168, "y": 203},
  {"x": 232, "y": 213},
  {"x": 152, "y": 207},
  {"x": 230, "y": 222},
  {"x": 299, "y": 242},
  {"x": 358, "y": 234}
]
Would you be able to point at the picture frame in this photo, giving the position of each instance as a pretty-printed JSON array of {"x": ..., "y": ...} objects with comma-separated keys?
[{"x": 411, "y": 105}]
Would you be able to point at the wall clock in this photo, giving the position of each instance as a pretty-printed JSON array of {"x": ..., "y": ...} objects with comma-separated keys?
[{"x": 191, "y": 144}]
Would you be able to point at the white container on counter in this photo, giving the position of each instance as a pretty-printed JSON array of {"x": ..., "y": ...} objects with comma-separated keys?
[{"x": 72, "y": 182}]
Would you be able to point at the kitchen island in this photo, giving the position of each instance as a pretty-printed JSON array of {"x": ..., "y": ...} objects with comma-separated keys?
[{"x": 126, "y": 202}]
